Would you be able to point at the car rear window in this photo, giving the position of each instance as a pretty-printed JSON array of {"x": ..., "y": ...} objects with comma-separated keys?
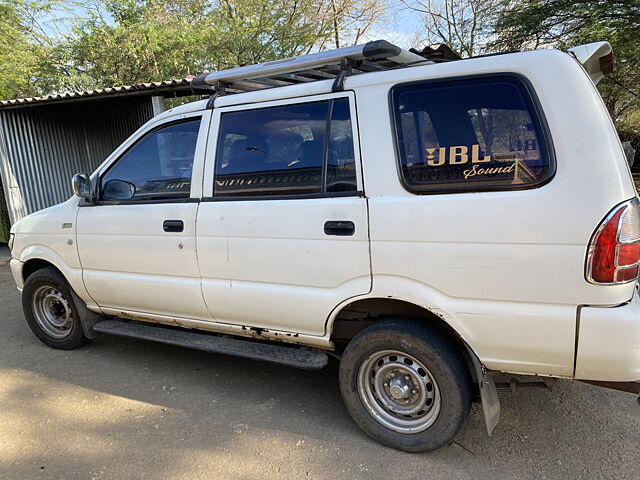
[{"x": 468, "y": 135}]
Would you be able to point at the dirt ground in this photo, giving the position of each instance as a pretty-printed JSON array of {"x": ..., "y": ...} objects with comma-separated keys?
[{"x": 120, "y": 409}]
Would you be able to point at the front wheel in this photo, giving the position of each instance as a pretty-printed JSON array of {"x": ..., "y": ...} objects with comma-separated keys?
[
  {"x": 49, "y": 309},
  {"x": 406, "y": 385}
]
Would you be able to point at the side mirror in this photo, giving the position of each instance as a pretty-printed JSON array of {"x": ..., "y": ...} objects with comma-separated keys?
[
  {"x": 81, "y": 186},
  {"x": 118, "y": 190}
]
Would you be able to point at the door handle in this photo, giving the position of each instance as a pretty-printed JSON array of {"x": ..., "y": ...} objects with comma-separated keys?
[
  {"x": 173, "y": 226},
  {"x": 341, "y": 228}
]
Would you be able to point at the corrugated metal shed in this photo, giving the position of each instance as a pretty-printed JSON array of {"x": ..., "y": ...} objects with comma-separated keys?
[
  {"x": 45, "y": 146},
  {"x": 45, "y": 140},
  {"x": 165, "y": 88}
]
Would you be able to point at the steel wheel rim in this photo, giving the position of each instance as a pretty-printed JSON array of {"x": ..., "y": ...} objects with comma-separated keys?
[
  {"x": 398, "y": 391},
  {"x": 52, "y": 311}
]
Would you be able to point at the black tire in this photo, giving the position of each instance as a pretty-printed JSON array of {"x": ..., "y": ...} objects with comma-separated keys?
[
  {"x": 65, "y": 337},
  {"x": 445, "y": 366}
]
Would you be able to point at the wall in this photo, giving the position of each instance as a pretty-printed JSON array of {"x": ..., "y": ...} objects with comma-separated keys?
[{"x": 42, "y": 146}]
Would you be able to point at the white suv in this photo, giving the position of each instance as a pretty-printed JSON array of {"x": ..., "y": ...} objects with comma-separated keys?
[{"x": 425, "y": 222}]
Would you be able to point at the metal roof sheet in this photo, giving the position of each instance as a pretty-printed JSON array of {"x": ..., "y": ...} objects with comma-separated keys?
[{"x": 170, "y": 87}]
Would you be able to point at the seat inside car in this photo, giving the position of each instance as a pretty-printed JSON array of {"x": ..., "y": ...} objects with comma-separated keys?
[{"x": 247, "y": 155}]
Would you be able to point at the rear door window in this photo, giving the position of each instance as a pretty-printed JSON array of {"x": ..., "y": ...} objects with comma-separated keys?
[
  {"x": 473, "y": 134},
  {"x": 290, "y": 150}
]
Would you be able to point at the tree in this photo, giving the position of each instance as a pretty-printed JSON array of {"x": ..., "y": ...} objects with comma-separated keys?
[
  {"x": 128, "y": 41},
  {"x": 351, "y": 19},
  {"x": 525, "y": 24},
  {"x": 253, "y": 31},
  {"x": 23, "y": 47},
  {"x": 119, "y": 42},
  {"x": 463, "y": 25}
]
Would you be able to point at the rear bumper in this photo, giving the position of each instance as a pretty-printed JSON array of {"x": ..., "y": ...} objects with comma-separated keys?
[
  {"x": 16, "y": 270},
  {"x": 609, "y": 343}
]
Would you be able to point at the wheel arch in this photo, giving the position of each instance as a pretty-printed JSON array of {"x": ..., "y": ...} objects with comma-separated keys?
[
  {"x": 35, "y": 257},
  {"x": 34, "y": 264},
  {"x": 87, "y": 317},
  {"x": 357, "y": 315},
  {"x": 351, "y": 317}
]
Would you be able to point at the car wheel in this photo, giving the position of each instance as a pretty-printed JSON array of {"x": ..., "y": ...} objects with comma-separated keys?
[
  {"x": 406, "y": 384},
  {"x": 50, "y": 311}
]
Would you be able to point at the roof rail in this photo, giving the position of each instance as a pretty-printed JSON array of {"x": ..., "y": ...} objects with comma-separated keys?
[{"x": 330, "y": 64}]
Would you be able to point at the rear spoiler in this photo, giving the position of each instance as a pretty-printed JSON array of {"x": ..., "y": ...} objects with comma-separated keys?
[{"x": 596, "y": 58}]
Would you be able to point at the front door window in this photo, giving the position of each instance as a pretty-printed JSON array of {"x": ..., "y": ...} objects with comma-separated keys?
[{"x": 157, "y": 167}]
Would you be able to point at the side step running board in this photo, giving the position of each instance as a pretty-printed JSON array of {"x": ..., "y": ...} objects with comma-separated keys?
[{"x": 292, "y": 356}]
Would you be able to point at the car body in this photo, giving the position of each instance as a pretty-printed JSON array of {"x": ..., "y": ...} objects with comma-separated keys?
[{"x": 501, "y": 264}]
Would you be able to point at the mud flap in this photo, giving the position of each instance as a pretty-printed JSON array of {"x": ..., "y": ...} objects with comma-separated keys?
[
  {"x": 488, "y": 394},
  {"x": 87, "y": 317}
]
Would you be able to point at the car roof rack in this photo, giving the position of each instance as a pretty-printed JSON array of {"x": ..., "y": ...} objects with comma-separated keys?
[
  {"x": 334, "y": 64},
  {"x": 440, "y": 53}
]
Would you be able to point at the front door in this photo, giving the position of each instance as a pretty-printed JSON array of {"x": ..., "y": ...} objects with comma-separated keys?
[
  {"x": 283, "y": 238},
  {"x": 137, "y": 243}
]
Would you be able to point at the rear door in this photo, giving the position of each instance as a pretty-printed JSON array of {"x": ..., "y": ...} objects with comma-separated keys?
[{"x": 283, "y": 236}]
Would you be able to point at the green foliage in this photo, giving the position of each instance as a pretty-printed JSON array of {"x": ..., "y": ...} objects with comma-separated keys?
[
  {"x": 23, "y": 47},
  {"x": 525, "y": 24},
  {"x": 119, "y": 42},
  {"x": 129, "y": 42},
  {"x": 253, "y": 31},
  {"x": 5, "y": 224}
]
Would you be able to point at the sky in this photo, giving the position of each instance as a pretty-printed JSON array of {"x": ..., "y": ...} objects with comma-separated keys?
[{"x": 400, "y": 29}]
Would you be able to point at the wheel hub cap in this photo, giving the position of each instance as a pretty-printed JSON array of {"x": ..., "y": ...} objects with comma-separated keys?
[
  {"x": 398, "y": 391},
  {"x": 52, "y": 311}
]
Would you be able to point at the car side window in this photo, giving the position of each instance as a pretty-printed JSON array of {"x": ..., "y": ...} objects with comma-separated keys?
[
  {"x": 156, "y": 167},
  {"x": 470, "y": 135},
  {"x": 341, "y": 164},
  {"x": 298, "y": 149}
]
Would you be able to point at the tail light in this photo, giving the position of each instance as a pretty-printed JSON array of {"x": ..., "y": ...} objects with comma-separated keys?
[{"x": 614, "y": 251}]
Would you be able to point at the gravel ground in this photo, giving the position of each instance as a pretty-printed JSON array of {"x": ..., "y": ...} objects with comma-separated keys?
[{"x": 120, "y": 408}]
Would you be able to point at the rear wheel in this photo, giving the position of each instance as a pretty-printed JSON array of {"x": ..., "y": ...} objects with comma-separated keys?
[
  {"x": 406, "y": 385},
  {"x": 50, "y": 311}
]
